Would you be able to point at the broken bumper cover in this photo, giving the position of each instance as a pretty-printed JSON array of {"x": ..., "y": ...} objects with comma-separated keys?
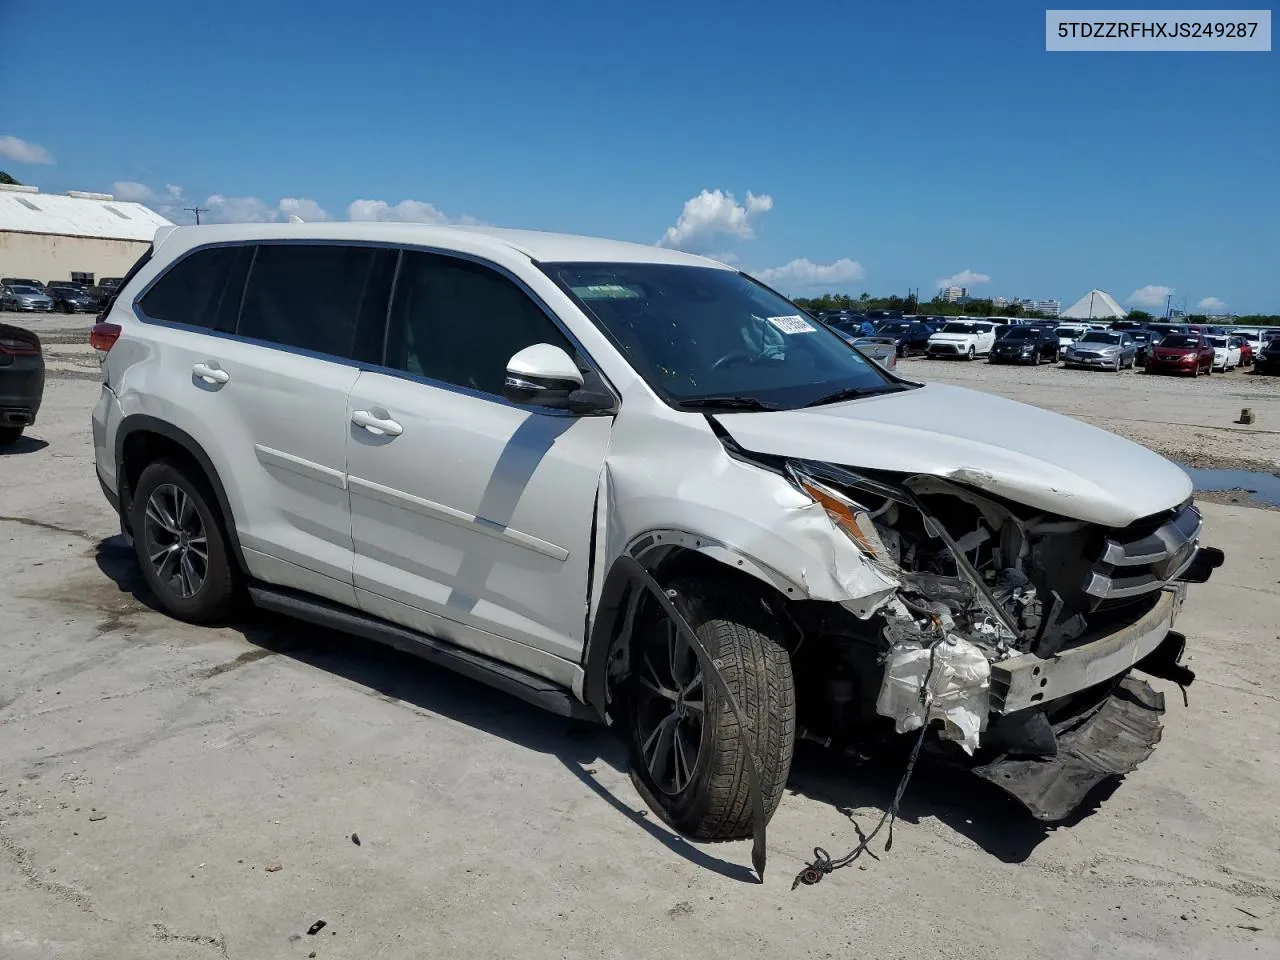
[
  {"x": 1028, "y": 680},
  {"x": 1111, "y": 742}
]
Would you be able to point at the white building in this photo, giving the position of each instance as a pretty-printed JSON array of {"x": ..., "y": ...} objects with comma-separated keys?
[
  {"x": 954, "y": 294},
  {"x": 73, "y": 236},
  {"x": 1050, "y": 308}
]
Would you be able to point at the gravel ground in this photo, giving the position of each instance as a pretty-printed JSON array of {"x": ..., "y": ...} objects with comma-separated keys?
[{"x": 168, "y": 791}]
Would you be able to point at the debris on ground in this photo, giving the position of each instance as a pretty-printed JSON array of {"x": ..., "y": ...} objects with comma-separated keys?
[
  {"x": 273, "y": 866},
  {"x": 315, "y": 928},
  {"x": 355, "y": 838},
  {"x": 96, "y": 817}
]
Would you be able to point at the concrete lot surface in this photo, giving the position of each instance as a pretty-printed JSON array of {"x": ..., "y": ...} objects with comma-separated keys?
[{"x": 154, "y": 775}]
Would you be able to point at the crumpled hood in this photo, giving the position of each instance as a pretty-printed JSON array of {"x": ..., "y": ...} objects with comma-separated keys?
[{"x": 1020, "y": 452}]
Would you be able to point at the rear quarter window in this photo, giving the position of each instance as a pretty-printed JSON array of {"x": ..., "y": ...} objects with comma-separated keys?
[{"x": 201, "y": 290}]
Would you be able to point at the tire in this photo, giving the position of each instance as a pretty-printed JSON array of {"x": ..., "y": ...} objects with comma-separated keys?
[
  {"x": 714, "y": 800},
  {"x": 1119, "y": 364},
  {"x": 970, "y": 354},
  {"x": 182, "y": 517},
  {"x": 9, "y": 435}
]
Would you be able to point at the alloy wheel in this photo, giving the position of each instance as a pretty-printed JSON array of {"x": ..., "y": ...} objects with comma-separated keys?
[
  {"x": 670, "y": 709},
  {"x": 176, "y": 541}
]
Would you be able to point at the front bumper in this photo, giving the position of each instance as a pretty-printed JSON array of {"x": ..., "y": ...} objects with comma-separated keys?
[
  {"x": 21, "y": 307},
  {"x": 1028, "y": 680},
  {"x": 1077, "y": 361}
]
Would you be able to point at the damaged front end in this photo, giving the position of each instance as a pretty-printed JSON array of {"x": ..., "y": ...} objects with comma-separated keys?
[{"x": 1011, "y": 630}]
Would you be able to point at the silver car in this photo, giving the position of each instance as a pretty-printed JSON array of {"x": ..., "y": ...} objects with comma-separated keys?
[
  {"x": 1107, "y": 349},
  {"x": 25, "y": 299}
]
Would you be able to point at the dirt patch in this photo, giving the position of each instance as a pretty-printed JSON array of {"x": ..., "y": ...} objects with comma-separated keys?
[
  {"x": 115, "y": 603},
  {"x": 1237, "y": 497}
]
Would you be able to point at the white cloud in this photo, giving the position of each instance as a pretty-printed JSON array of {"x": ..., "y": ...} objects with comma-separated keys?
[
  {"x": 130, "y": 190},
  {"x": 712, "y": 213},
  {"x": 965, "y": 278},
  {"x": 1211, "y": 305},
  {"x": 238, "y": 210},
  {"x": 1152, "y": 295},
  {"x": 724, "y": 256},
  {"x": 173, "y": 190},
  {"x": 23, "y": 151},
  {"x": 804, "y": 274},
  {"x": 407, "y": 211},
  {"x": 301, "y": 207}
]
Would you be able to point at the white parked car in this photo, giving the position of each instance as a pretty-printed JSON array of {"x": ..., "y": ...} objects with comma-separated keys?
[
  {"x": 1226, "y": 352},
  {"x": 962, "y": 338},
  {"x": 632, "y": 484},
  {"x": 1253, "y": 337},
  {"x": 1069, "y": 333}
]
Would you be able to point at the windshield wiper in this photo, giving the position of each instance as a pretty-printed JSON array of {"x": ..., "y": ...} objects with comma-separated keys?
[
  {"x": 727, "y": 403},
  {"x": 850, "y": 393}
]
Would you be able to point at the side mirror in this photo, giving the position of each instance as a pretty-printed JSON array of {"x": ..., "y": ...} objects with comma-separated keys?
[{"x": 545, "y": 375}]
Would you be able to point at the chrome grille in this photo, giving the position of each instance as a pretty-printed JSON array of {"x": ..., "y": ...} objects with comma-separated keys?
[{"x": 1140, "y": 559}]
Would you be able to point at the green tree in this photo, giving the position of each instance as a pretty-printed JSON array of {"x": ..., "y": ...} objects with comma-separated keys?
[
  {"x": 5, "y": 178},
  {"x": 1140, "y": 315}
]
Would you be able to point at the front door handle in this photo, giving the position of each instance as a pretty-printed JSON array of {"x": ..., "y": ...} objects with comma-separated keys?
[
  {"x": 210, "y": 373},
  {"x": 379, "y": 426}
]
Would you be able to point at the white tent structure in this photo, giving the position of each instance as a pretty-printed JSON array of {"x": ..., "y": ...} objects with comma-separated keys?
[{"x": 1094, "y": 305}]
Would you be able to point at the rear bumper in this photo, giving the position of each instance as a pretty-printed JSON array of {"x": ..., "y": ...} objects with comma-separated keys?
[{"x": 21, "y": 391}]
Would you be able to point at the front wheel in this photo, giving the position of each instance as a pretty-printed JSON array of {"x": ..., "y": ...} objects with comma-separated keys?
[
  {"x": 688, "y": 751},
  {"x": 971, "y": 354}
]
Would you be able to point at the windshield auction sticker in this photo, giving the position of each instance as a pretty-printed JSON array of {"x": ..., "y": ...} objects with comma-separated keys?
[
  {"x": 792, "y": 324},
  {"x": 1224, "y": 31}
]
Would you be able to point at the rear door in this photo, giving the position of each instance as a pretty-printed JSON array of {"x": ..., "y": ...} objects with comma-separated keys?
[
  {"x": 471, "y": 515},
  {"x": 265, "y": 391}
]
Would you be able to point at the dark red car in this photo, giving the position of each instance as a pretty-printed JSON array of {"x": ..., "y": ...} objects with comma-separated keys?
[{"x": 1181, "y": 353}]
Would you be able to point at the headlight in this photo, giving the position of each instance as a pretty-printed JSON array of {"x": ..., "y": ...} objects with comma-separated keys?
[{"x": 848, "y": 515}]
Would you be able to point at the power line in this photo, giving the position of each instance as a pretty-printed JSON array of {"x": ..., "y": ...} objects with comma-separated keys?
[{"x": 197, "y": 211}]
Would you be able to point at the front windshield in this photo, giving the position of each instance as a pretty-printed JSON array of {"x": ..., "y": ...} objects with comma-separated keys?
[
  {"x": 1099, "y": 336},
  {"x": 957, "y": 328},
  {"x": 702, "y": 333},
  {"x": 1021, "y": 333},
  {"x": 1217, "y": 341},
  {"x": 25, "y": 291},
  {"x": 1071, "y": 332},
  {"x": 894, "y": 327},
  {"x": 1180, "y": 340}
]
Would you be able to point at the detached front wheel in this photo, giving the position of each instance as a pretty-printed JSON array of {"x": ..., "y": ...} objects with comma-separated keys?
[{"x": 689, "y": 752}]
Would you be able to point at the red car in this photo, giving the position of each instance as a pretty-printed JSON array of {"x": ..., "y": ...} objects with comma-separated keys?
[
  {"x": 1246, "y": 352},
  {"x": 1181, "y": 353}
]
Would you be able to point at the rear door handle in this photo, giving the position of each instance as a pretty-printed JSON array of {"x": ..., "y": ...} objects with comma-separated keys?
[
  {"x": 210, "y": 373},
  {"x": 379, "y": 426}
]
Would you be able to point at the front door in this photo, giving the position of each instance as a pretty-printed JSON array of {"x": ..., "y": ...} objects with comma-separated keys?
[{"x": 471, "y": 517}]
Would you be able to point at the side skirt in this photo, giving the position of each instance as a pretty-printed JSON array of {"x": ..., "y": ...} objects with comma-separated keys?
[{"x": 528, "y": 687}]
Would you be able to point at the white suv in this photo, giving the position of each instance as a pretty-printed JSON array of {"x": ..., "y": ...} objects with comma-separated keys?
[{"x": 538, "y": 459}]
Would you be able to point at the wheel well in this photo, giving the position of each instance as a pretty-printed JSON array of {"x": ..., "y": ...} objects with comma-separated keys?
[
  {"x": 154, "y": 440},
  {"x": 611, "y": 632}
]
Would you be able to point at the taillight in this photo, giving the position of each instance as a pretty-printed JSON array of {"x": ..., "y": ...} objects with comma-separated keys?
[
  {"x": 19, "y": 343},
  {"x": 103, "y": 336}
]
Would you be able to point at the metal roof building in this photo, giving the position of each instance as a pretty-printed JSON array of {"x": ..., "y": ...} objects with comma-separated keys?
[{"x": 72, "y": 236}]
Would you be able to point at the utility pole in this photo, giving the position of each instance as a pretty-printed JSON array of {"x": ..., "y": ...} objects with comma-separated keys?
[
  {"x": 197, "y": 211},
  {"x": 1168, "y": 301}
]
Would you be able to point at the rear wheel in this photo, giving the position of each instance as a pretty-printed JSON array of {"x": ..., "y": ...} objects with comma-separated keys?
[
  {"x": 9, "y": 435},
  {"x": 688, "y": 750},
  {"x": 180, "y": 544}
]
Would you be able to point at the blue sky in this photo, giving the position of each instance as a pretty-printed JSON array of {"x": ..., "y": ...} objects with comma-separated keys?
[{"x": 886, "y": 145}]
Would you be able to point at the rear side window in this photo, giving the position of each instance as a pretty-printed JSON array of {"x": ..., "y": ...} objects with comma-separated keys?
[
  {"x": 201, "y": 290},
  {"x": 310, "y": 297},
  {"x": 460, "y": 322}
]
